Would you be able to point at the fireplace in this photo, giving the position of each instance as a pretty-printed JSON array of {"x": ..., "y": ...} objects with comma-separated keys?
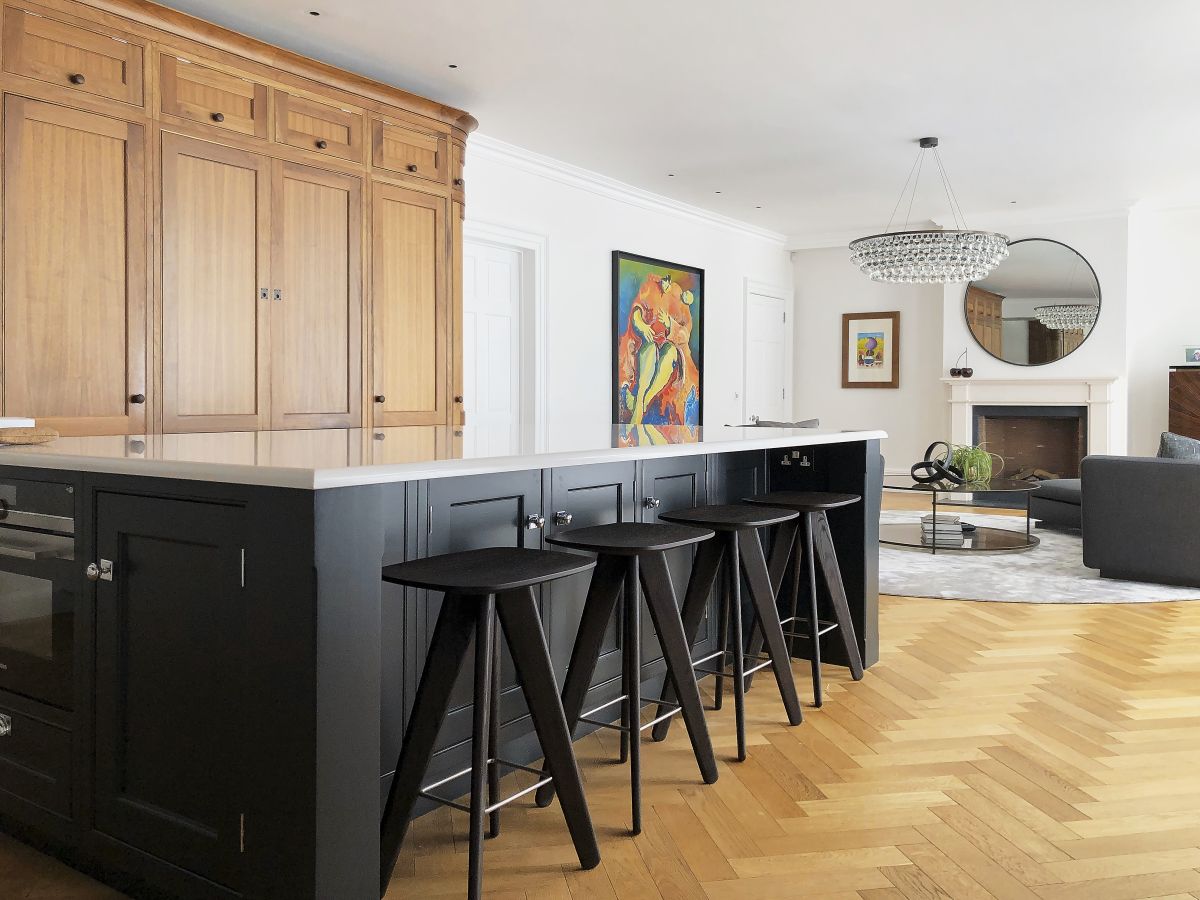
[{"x": 1035, "y": 442}]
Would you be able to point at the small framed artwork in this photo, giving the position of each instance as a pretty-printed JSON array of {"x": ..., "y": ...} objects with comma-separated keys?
[
  {"x": 871, "y": 350},
  {"x": 1192, "y": 355}
]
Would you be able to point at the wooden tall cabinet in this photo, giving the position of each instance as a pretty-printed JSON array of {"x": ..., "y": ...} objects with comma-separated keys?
[
  {"x": 205, "y": 233},
  {"x": 74, "y": 301}
]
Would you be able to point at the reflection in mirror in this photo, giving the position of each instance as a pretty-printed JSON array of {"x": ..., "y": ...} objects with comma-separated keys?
[{"x": 1037, "y": 306}]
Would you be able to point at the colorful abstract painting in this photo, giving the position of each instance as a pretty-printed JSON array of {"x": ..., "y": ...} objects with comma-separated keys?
[
  {"x": 657, "y": 345},
  {"x": 871, "y": 349}
]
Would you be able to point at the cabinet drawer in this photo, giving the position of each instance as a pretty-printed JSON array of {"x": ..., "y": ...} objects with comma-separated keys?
[
  {"x": 89, "y": 61},
  {"x": 408, "y": 150},
  {"x": 310, "y": 125},
  {"x": 35, "y": 761},
  {"x": 199, "y": 93}
]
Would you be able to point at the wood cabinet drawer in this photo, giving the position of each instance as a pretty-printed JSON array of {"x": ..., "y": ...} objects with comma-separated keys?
[
  {"x": 91, "y": 61},
  {"x": 35, "y": 760},
  {"x": 320, "y": 127},
  {"x": 408, "y": 150},
  {"x": 199, "y": 93}
]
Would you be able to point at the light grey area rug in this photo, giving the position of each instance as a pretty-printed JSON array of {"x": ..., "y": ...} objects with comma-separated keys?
[{"x": 1052, "y": 572}]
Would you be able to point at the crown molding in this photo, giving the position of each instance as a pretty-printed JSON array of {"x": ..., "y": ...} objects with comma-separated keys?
[{"x": 484, "y": 147}]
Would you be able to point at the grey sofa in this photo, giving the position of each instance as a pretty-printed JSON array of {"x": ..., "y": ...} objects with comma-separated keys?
[
  {"x": 1141, "y": 518},
  {"x": 1057, "y": 503}
]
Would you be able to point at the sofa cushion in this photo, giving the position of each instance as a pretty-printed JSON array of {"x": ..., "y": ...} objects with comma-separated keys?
[
  {"x": 1176, "y": 446},
  {"x": 1064, "y": 490}
]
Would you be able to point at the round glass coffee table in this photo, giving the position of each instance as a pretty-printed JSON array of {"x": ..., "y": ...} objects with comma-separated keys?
[{"x": 977, "y": 538}]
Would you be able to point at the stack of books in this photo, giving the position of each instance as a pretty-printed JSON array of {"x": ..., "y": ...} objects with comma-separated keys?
[{"x": 949, "y": 530}]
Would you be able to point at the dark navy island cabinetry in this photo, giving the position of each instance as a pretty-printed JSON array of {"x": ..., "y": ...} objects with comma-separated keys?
[{"x": 204, "y": 682}]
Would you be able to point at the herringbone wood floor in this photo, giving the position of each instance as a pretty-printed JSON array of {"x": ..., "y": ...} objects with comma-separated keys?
[{"x": 996, "y": 750}]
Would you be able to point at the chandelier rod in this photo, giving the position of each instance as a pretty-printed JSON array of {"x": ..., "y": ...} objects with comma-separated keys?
[
  {"x": 960, "y": 218},
  {"x": 888, "y": 227}
]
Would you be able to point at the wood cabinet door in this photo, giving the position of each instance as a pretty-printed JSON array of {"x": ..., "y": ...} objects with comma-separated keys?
[
  {"x": 410, "y": 308},
  {"x": 215, "y": 286},
  {"x": 408, "y": 150},
  {"x": 74, "y": 344},
  {"x": 316, "y": 318},
  {"x": 319, "y": 127},
  {"x": 86, "y": 59},
  {"x": 172, "y": 648}
]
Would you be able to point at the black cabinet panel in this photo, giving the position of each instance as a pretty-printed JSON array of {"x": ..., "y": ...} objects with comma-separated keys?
[
  {"x": 466, "y": 514},
  {"x": 35, "y": 759},
  {"x": 590, "y": 495},
  {"x": 171, "y": 652}
]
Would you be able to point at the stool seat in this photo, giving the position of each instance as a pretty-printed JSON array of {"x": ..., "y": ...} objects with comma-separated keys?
[
  {"x": 492, "y": 570},
  {"x": 805, "y": 501},
  {"x": 730, "y": 517},
  {"x": 630, "y": 538}
]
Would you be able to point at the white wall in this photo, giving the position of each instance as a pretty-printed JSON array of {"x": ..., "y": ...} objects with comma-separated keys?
[
  {"x": 827, "y": 285},
  {"x": 1164, "y": 313},
  {"x": 1104, "y": 242},
  {"x": 584, "y": 217}
]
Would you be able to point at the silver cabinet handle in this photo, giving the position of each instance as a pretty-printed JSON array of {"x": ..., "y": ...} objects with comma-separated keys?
[
  {"x": 652, "y": 503},
  {"x": 562, "y": 517},
  {"x": 534, "y": 522},
  {"x": 102, "y": 572},
  {"x": 5, "y": 725}
]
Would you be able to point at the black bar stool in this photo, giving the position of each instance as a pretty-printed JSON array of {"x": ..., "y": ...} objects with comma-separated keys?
[
  {"x": 743, "y": 555},
  {"x": 479, "y": 584},
  {"x": 629, "y": 552},
  {"x": 812, "y": 506}
]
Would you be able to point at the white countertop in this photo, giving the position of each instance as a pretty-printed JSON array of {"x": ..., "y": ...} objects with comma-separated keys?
[{"x": 342, "y": 457}]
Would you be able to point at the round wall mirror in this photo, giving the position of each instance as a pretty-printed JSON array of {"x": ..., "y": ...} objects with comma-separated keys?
[{"x": 1037, "y": 306}]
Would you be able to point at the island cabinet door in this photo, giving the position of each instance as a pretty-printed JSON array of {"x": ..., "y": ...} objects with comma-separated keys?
[
  {"x": 171, "y": 657},
  {"x": 74, "y": 284},
  {"x": 666, "y": 484},
  {"x": 410, "y": 307},
  {"x": 581, "y": 496},
  {"x": 501, "y": 510}
]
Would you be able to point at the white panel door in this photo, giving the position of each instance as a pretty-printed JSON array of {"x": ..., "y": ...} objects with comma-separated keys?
[
  {"x": 767, "y": 373},
  {"x": 491, "y": 349}
]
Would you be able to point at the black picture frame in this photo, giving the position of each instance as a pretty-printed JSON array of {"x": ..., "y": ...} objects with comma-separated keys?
[{"x": 618, "y": 326}]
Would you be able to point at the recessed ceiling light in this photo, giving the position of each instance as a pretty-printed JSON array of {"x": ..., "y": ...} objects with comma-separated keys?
[
  {"x": 670, "y": 174},
  {"x": 1012, "y": 201},
  {"x": 716, "y": 192},
  {"x": 452, "y": 66},
  {"x": 758, "y": 207},
  {"x": 313, "y": 12}
]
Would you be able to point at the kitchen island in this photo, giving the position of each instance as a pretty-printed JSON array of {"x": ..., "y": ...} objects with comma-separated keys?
[{"x": 219, "y": 703}]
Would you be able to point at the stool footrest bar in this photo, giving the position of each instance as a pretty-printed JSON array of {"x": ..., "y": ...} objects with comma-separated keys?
[
  {"x": 427, "y": 790},
  {"x": 761, "y": 663},
  {"x": 675, "y": 709}
]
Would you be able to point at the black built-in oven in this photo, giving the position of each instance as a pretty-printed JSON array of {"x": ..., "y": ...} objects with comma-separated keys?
[{"x": 38, "y": 585}]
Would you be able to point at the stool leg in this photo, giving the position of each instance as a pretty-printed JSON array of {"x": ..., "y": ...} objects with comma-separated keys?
[
  {"x": 447, "y": 649},
  {"x": 485, "y": 635},
  {"x": 602, "y": 595},
  {"x": 814, "y": 627},
  {"x": 768, "y": 619},
  {"x": 794, "y": 609},
  {"x": 786, "y": 535},
  {"x": 827, "y": 555},
  {"x": 531, "y": 659},
  {"x": 660, "y": 599},
  {"x": 739, "y": 649},
  {"x": 494, "y": 743},
  {"x": 723, "y": 635},
  {"x": 631, "y": 651},
  {"x": 695, "y": 602}
]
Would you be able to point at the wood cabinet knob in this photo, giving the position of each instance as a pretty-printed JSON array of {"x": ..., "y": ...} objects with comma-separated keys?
[
  {"x": 322, "y": 144},
  {"x": 458, "y": 399},
  {"x": 218, "y": 117},
  {"x": 458, "y": 182},
  {"x": 77, "y": 78},
  {"x": 379, "y": 398},
  {"x": 412, "y": 167},
  {"x": 137, "y": 398}
]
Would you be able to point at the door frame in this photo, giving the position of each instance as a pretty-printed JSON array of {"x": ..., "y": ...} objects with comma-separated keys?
[
  {"x": 787, "y": 295},
  {"x": 531, "y": 340}
]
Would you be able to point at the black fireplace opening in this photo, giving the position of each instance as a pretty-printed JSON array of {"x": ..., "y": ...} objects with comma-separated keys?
[{"x": 1036, "y": 443}]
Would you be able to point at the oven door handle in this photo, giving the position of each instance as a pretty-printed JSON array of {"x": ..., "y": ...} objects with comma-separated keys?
[{"x": 35, "y": 551}]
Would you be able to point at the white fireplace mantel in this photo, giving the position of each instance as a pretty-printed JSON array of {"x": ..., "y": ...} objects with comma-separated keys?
[{"x": 1094, "y": 393}]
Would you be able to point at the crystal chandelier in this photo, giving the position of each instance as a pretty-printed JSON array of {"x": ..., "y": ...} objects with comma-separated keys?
[
  {"x": 928, "y": 256},
  {"x": 1067, "y": 316}
]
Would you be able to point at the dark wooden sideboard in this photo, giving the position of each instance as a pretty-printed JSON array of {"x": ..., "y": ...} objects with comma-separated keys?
[{"x": 1185, "y": 401}]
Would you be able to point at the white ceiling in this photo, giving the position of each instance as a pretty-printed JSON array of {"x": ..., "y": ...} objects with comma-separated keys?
[{"x": 806, "y": 109}]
